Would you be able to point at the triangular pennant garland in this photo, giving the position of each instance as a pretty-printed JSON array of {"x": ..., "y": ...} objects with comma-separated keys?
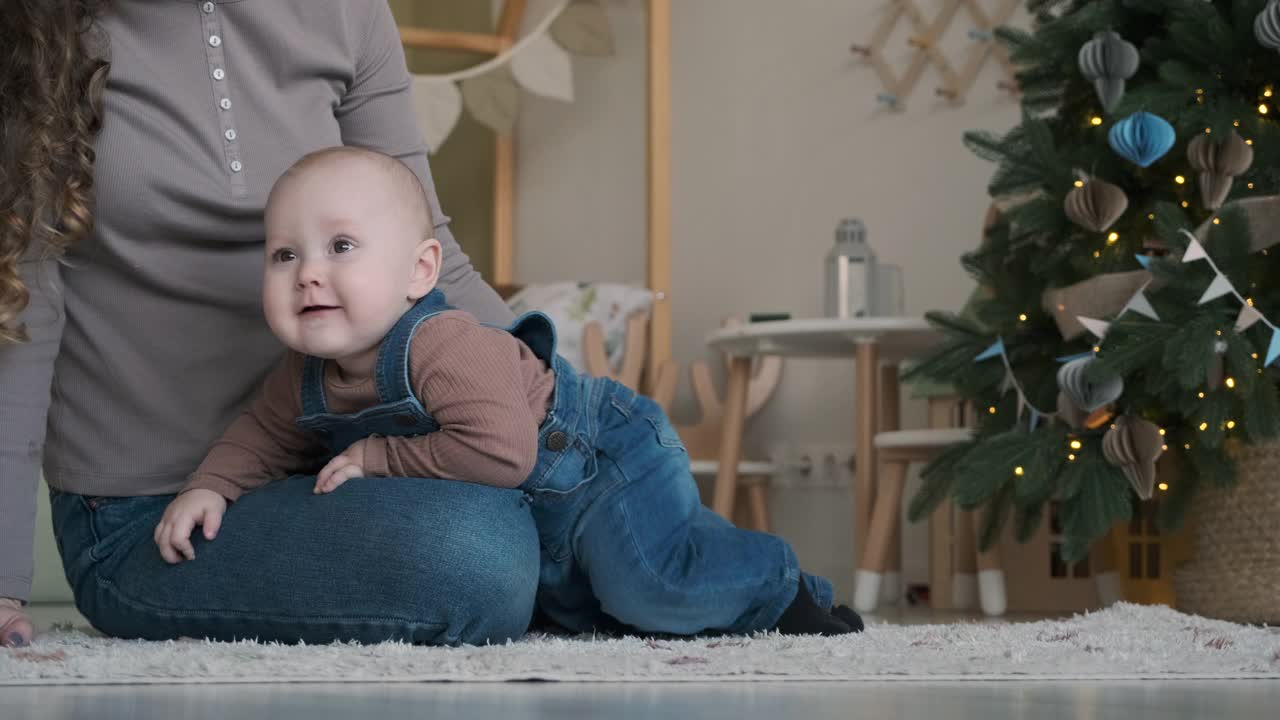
[
  {"x": 1097, "y": 327},
  {"x": 1274, "y": 351},
  {"x": 995, "y": 350},
  {"x": 1219, "y": 287},
  {"x": 1248, "y": 318},
  {"x": 1141, "y": 305},
  {"x": 1195, "y": 251},
  {"x": 1144, "y": 260}
]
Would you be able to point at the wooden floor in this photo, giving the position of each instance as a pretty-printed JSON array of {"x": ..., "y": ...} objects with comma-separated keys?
[{"x": 1165, "y": 700}]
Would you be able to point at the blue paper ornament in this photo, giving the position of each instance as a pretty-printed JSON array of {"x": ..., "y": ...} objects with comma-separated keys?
[{"x": 1142, "y": 138}]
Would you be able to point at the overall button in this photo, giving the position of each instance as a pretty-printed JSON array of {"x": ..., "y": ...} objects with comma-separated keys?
[
  {"x": 207, "y": 7},
  {"x": 557, "y": 441},
  {"x": 215, "y": 41},
  {"x": 406, "y": 420}
]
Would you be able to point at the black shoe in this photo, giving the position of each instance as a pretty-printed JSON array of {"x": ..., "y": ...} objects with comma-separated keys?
[
  {"x": 804, "y": 617},
  {"x": 850, "y": 618}
]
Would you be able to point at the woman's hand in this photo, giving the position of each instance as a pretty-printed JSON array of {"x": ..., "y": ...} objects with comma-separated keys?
[
  {"x": 191, "y": 508},
  {"x": 349, "y": 464},
  {"x": 16, "y": 629}
]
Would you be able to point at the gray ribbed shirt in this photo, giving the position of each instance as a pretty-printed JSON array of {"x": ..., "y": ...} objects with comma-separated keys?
[{"x": 149, "y": 339}]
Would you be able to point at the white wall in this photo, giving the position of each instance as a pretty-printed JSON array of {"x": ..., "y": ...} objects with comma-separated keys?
[{"x": 776, "y": 136}]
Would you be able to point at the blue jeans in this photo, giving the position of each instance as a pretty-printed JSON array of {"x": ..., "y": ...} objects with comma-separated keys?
[
  {"x": 625, "y": 536},
  {"x": 424, "y": 561}
]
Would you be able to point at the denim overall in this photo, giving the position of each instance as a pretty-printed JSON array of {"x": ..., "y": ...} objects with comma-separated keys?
[{"x": 624, "y": 536}]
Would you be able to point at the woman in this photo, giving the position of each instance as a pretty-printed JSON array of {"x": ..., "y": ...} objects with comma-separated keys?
[{"x": 138, "y": 140}]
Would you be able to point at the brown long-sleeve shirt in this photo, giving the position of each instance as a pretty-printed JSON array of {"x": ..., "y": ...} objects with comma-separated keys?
[{"x": 485, "y": 388}]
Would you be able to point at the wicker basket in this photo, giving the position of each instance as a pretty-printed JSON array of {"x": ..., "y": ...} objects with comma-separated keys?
[{"x": 1234, "y": 573}]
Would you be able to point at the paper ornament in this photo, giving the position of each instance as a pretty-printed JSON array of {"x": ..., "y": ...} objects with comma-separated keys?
[
  {"x": 1068, "y": 412},
  {"x": 493, "y": 99},
  {"x": 583, "y": 29},
  {"x": 1083, "y": 393},
  {"x": 1096, "y": 205},
  {"x": 1218, "y": 165},
  {"x": 1133, "y": 445},
  {"x": 1103, "y": 295},
  {"x": 1108, "y": 60},
  {"x": 1142, "y": 138},
  {"x": 1266, "y": 26}
]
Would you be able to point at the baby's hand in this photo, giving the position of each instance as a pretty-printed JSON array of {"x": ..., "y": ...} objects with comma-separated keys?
[
  {"x": 349, "y": 464},
  {"x": 191, "y": 508}
]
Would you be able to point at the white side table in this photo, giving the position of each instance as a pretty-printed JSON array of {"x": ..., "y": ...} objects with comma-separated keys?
[{"x": 869, "y": 341}]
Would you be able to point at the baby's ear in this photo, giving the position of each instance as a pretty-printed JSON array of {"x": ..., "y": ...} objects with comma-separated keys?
[{"x": 426, "y": 268}]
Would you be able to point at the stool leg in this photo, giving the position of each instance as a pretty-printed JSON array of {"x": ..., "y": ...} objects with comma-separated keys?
[
  {"x": 964, "y": 582},
  {"x": 758, "y": 504},
  {"x": 884, "y": 516},
  {"x": 991, "y": 588}
]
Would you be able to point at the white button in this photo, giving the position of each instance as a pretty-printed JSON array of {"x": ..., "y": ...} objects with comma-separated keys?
[
  {"x": 218, "y": 74},
  {"x": 230, "y": 134},
  {"x": 214, "y": 40},
  {"x": 236, "y": 166},
  {"x": 207, "y": 7},
  {"x": 224, "y": 103}
]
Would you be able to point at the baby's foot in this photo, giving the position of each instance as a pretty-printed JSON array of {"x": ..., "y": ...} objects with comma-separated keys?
[
  {"x": 805, "y": 617},
  {"x": 850, "y": 618}
]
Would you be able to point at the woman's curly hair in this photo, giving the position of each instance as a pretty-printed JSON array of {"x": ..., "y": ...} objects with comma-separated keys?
[{"x": 51, "y": 84}]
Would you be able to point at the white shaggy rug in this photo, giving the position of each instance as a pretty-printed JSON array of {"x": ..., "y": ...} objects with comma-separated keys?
[{"x": 1123, "y": 642}]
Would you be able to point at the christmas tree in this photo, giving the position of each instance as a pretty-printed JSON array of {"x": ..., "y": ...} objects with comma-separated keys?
[{"x": 1126, "y": 284}]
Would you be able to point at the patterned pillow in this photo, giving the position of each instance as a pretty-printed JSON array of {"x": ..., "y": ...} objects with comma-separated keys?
[{"x": 571, "y": 305}]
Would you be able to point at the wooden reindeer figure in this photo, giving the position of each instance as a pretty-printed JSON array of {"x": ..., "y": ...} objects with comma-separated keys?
[{"x": 703, "y": 437}]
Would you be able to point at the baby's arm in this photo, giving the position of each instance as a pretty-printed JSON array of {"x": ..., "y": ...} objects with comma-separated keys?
[
  {"x": 263, "y": 443},
  {"x": 468, "y": 377}
]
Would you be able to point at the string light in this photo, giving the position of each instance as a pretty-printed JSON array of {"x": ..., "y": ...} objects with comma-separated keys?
[
  {"x": 1231, "y": 424},
  {"x": 1097, "y": 349},
  {"x": 1165, "y": 448},
  {"x": 1022, "y": 317},
  {"x": 1095, "y": 121},
  {"x": 992, "y": 409},
  {"x": 1076, "y": 444},
  {"x": 1236, "y": 123},
  {"x": 1113, "y": 237},
  {"x": 1097, "y": 254},
  {"x": 1079, "y": 183},
  {"x": 1164, "y": 487},
  {"x": 1208, "y": 131},
  {"x": 1018, "y": 471},
  {"x": 1250, "y": 186},
  {"x": 1180, "y": 180},
  {"x": 1187, "y": 446},
  {"x": 1231, "y": 383},
  {"x": 1163, "y": 432},
  {"x": 1202, "y": 396},
  {"x": 1262, "y": 109},
  {"x": 1071, "y": 458},
  {"x": 1217, "y": 221},
  {"x": 1248, "y": 142},
  {"x": 1204, "y": 426},
  {"x": 1255, "y": 355},
  {"x": 1266, "y": 93},
  {"x": 1151, "y": 216},
  {"x": 1186, "y": 204}
]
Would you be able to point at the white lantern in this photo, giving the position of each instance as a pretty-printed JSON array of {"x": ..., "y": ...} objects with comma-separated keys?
[{"x": 851, "y": 273}]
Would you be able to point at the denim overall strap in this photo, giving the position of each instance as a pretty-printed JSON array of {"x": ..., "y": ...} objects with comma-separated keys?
[
  {"x": 312, "y": 397},
  {"x": 391, "y": 373}
]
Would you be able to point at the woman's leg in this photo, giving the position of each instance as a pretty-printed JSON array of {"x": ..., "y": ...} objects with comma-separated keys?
[{"x": 425, "y": 561}]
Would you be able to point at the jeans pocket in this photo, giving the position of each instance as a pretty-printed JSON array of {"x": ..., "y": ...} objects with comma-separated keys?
[
  {"x": 115, "y": 519},
  {"x": 665, "y": 432}
]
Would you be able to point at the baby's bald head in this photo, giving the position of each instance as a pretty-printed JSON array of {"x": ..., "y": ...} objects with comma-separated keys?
[{"x": 406, "y": 190}]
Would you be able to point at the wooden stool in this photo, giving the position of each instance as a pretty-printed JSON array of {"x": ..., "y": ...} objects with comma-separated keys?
[{"x": 896, "y": 451}]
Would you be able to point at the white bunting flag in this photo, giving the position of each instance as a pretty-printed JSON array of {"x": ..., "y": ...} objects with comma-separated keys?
[
  {"x": 1195, "y": 251},
  {"x": 436, "y": 106},
  {"x": 1141, "y": 305},
  {"x": 1097, "y": 327},
  {"x": 1248, "y": 318},
  {"x": 542, "y": 67},
  {"x": 1219, "y": 287}
]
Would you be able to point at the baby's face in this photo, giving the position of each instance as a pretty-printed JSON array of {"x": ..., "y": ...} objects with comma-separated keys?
[{"x": 340, "y": 259}]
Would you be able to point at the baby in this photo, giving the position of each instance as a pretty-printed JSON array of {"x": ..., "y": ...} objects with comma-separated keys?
[{"x": 384, "y": 379}]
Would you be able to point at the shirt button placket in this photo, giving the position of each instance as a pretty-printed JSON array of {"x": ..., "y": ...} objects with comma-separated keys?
[{"x": 216, "y": 54}]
